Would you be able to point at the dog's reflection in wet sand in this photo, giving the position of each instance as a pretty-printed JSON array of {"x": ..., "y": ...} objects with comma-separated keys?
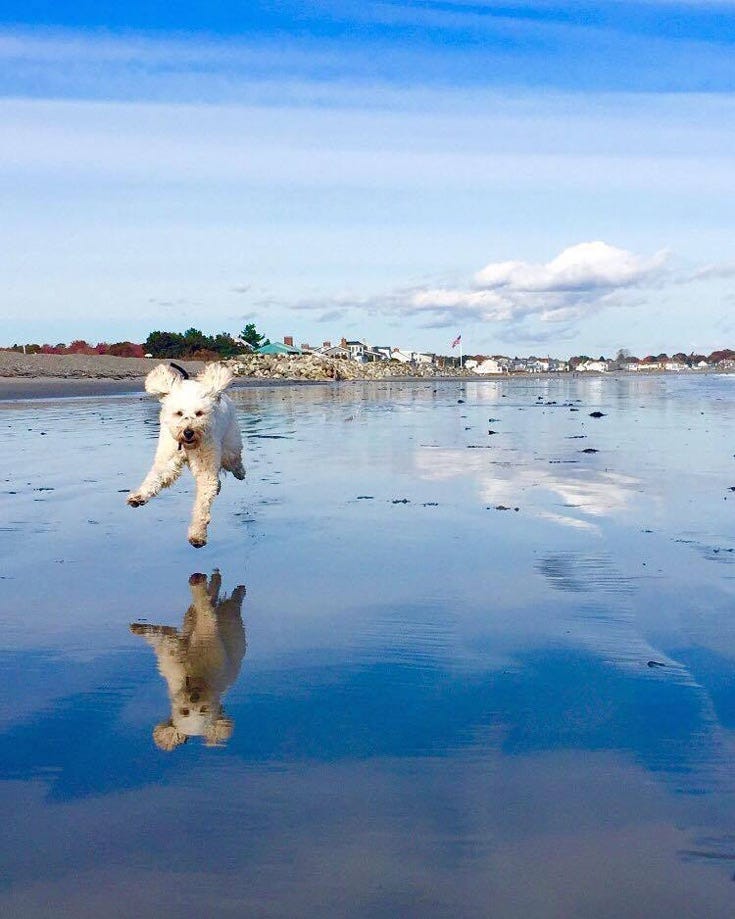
[{"x": 199, "y": 663}]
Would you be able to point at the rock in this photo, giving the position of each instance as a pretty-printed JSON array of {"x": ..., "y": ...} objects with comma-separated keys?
[{"x": 597, "y": 414}]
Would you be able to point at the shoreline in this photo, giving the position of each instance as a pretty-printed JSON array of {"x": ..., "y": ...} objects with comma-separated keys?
[
  {"x": 23, "y": 389},
  {"x": 31, "y": 388}
]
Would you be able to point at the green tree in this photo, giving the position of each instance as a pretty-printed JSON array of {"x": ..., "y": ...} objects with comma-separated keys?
[
  {"x": 196, "y": 340},
  {"x": 225, "y": 345},
  {"x": 251, "y": 335},
  {"x": 164, "y": 344}
]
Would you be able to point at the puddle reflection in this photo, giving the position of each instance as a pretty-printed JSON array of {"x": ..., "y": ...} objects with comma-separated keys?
[
  {"x": 590, "y": 493},
  {"x": 199, "y": 662}
]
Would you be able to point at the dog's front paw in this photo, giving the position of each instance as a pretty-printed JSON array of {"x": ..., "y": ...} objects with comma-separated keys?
[
  {"x": 136, "y": 500},
  {"x": 198, "y": 541}
]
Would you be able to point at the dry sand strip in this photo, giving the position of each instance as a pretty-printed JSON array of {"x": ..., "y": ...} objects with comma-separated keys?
[{"x": 49, "y": 376}]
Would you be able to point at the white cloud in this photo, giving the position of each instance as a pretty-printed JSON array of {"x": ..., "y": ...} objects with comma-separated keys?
[
  {"x": 581, "y": 281},
  {"x": 586, "y": 266}
]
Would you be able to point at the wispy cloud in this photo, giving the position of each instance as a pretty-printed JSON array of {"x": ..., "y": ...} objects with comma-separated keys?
[
  {"x": 358, "y": 146},
  {"x": 579, "y": 282},
  {"x": 719, "y": 270}
]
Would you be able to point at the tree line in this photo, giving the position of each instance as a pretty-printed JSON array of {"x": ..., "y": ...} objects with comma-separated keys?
[
  {"x": 80, "y": 346},
  {"x": 193, "y": 344},
  {"x": 196, "y": 344}
]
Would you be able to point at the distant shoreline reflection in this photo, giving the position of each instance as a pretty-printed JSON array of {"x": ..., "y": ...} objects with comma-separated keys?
[{"x": 199, "y": 663}]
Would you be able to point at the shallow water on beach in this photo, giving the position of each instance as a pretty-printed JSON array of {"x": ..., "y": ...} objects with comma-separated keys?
[{"x": 448, "y": 672}]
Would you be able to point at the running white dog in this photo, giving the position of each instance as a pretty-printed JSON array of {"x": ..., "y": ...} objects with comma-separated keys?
[{"x": 198, "y": 429}]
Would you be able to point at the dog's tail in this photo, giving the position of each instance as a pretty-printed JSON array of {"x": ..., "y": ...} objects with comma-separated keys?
[{"x": 184, "y": 373}]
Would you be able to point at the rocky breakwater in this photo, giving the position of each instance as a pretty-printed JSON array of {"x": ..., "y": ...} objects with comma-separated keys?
[{"x": 319, "y": 368}]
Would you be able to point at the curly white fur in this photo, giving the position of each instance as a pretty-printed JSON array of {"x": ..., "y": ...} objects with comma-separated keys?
[
  {"x": 198, "y": 429},
  {"x": 199, "y": 662}
]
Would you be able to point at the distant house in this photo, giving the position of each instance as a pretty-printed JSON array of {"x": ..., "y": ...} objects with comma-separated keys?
[
  {"x": 356, "y": 348},
  {"x": 487, "y": 366},
  {"x": 594, "y": 366},
  {"x": 373, "y": 354},
  {"x": 651, "y": 363},
  {"x": 362, "y": 352},
  {"x": 676, "y": 366},
  {"x": 336, "y": 351},
  {"x": 277, "y": 347}
]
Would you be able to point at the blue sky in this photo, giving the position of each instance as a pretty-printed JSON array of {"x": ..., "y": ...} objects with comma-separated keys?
[{"x": 540, "y": 176}]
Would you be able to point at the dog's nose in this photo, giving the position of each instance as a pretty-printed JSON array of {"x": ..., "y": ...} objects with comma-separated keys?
[{"x": 188, "y": 433}]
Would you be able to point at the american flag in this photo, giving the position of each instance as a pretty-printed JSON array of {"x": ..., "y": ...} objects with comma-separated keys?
[{"x": 457, "y": 340}]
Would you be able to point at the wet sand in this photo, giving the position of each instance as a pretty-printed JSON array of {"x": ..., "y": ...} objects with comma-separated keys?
[
  {"x": 425, "y": 703},
  {"x": 51, "y": 387},
  {"x": 58, "y": 387},
  {"x": 22, "y": 388}
]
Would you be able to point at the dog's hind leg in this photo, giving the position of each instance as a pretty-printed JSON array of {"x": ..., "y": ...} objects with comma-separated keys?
[
  {"x": 232, "y": 452},
  {"x": 233, "y": 463},
  {"x": 215, "y": 583}
]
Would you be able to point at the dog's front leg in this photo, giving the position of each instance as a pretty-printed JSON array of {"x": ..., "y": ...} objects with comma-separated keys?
[
  {"x": 167, "y": 465},
  {"x": 207, "y": 487}
]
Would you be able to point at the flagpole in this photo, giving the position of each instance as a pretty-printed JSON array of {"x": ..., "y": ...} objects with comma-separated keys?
[{"x": 460, "y": 354}]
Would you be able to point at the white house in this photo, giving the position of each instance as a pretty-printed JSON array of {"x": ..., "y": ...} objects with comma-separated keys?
[
  {"x": 489, "y": 365},
  {"x": 594, "y": 366}
]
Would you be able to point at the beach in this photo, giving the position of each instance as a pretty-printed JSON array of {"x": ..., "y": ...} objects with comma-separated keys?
[
  {"x": 29, "y": 376},
  {"x": 48, "y": 376},
  {"x": 472, "y": 628}
]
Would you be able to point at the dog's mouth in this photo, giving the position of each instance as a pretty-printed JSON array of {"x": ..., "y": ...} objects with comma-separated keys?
[{"x": 188, "y": 439}]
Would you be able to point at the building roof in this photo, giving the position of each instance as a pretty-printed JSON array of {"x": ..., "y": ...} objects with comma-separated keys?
[{"x": 278, "y": 347}]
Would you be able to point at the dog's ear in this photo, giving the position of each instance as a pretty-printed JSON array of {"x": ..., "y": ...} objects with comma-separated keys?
[
  {"x": 160, "y": 381},
  {"x": 215, "y": 378},
  {"x": 167, "y": 737}
]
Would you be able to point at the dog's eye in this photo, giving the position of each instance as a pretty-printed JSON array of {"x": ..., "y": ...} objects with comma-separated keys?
[
  {"x": 199, "y": 414},
  {"x": 179, "y": 414}
]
